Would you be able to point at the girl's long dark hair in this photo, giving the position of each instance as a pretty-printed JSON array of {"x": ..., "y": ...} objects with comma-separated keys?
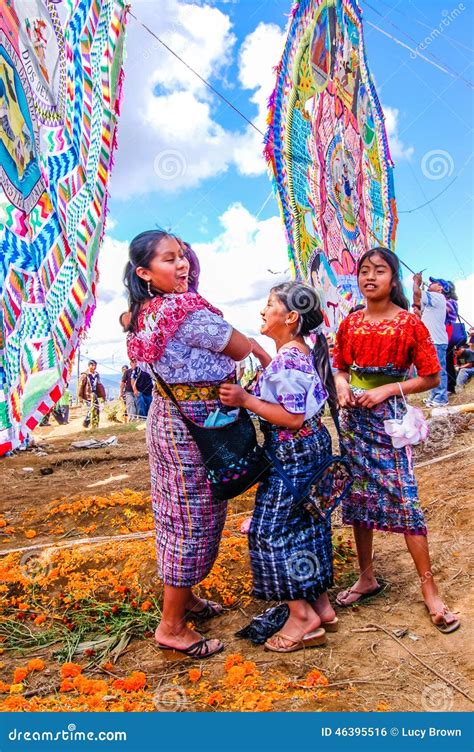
[
  {"x": 141, "y": 252},
  {"x": 300, "y": 297},
  {"x": 397, "y": 295}
]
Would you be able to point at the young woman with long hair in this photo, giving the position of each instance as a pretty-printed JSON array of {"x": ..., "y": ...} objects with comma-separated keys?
[
  {"x": 375, "y": 349},
  {"x": 183, "y": 339}
]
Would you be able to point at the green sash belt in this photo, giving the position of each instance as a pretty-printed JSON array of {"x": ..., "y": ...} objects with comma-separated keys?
[{"x": 371, "y": 380}]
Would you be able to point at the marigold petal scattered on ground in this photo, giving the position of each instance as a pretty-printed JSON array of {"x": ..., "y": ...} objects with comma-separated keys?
[
  {"x": 146, "y": 605},
  {"x": 135, "y": 681},
  {"x": 194, "y": 674},
  {"x": 20, "y": 674},
  {"x": 315, "y": 678},
  {"x": 70, "y": 669},
  {"x": 66, "y": 686},
  {"x": 4, "y": 687},
  {"x": 30, "y": 533},
  {"x": 16, "y": 689},
  {"x": 233, "y": 660},
  {"x": 36, "y": 664},
  {"x": 40, "y": 620},
  {"x": 216, "y": 698}
]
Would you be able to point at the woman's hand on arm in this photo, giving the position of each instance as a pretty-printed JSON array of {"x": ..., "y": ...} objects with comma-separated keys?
[
  {"x": 238, "y": 347},
  {"x": 260, "y": 353},
  {"x": 345, "y": 395},
  {"x": 234, "y": 396}
]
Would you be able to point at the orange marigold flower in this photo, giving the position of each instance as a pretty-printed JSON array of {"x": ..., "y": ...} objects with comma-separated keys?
[
  {"x": 315, "y": 678},
  {"x": 3, "y": 523},
  {"x": 66, "y": 686},
  {"x": 108, "y": 666},
  {"x": 132, "y": 683},
  {"x": 36, "y": 664},
  {"x": 4, "y": 687},
  {"x": 233, "y": 660},
  {"x": 40, "y": 620},
  {"x": 235, "y": 676},
  {"x": 30, "y": 533},
  {"x": 216, "y": 698},
  {"x": 146, "y": 605},
  {"x": 194, "y": 674},
  {"x": 20, "y": 675},
  {"x": 382, "y": 707},
  {"x": 23, "y": 606},
  {"x": 70, "y": 669},
  {"x": 90, "y": 686}
]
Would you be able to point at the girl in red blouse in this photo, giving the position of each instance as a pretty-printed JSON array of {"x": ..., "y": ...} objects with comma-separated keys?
[{"x": 375, "y": 349}]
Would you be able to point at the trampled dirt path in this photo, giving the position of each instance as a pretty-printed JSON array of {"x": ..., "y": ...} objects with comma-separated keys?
[{"x": 365, "y": 666}]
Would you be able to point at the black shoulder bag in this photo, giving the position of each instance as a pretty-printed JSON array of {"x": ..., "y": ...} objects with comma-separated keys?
[
  {"x": 329, "y": 484},
  {"x": 231, "y": 454}
]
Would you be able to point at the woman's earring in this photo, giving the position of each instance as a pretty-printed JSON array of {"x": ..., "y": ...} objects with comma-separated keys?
[{"x": 148, "y": 285}]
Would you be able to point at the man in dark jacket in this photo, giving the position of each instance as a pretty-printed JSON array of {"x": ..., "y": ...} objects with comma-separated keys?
[{"x": 91, "y": 390}]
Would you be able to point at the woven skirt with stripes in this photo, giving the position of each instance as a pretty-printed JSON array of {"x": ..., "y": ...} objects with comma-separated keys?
[
  {"x": 188, "y": 520},
  {"x": 384, "y": 493},
  {"x": 290, "y": 550}
]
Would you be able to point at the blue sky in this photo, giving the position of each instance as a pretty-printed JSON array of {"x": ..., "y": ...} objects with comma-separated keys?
[{"x": 188, "y": 162}]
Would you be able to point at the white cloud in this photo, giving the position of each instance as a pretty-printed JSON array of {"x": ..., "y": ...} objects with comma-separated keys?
[
  {"x": 241, "y": 265},
  {"x": 398, "y": 149},
  {"x": 167, "y": 136},
  {"x": 259, "y": 54}
]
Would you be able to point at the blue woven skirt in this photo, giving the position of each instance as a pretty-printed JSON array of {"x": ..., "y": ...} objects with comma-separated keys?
[
  {"x": 291, "y": 551},
  {"x": 384, "y": 493}
]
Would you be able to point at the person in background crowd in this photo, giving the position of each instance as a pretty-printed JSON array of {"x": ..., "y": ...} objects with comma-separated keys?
[
  {"x": 142, "y": 386},
  {"x": 127, "y": 393},
  {"x": 432, "y": 305},
  {"x": 374, "y": 351},
  {"x": 465, "y": 361},
  {"x": 452, "y": 315},
  {"x": 121, "y": 397},
  {"x": 91, "y": 390}
]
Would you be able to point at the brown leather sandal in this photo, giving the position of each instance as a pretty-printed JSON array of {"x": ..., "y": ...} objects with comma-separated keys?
[{"x": 310, "y": 640}]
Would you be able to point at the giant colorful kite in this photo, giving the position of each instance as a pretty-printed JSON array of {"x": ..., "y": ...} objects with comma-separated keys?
[
  {"x": 328, "y": 151},
  {"x": 60, "y": 74}
]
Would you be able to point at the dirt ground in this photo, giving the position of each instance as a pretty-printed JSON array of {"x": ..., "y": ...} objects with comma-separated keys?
[{"x": 367, "y": 665}]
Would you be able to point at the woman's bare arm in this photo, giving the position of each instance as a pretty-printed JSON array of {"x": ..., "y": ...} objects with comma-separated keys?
[{"x": 238, "y": 347}]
